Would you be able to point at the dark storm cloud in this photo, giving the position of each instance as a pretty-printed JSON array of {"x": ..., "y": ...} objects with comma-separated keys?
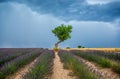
[
  {"x": 75, "y": 9},
  {"x": 22, "y": 27}
]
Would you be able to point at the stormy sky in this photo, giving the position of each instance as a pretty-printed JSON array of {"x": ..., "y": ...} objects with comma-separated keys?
[{"x": 28, "y": 23}]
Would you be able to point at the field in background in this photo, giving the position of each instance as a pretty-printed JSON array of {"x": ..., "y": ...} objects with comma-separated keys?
[{"x": 98, "y": 49}]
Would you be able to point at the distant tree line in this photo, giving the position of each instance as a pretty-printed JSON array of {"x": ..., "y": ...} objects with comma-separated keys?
[{"x": 79, "y": 46}]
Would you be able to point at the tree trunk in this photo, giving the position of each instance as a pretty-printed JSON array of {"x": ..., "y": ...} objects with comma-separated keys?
[{"x": 56, "y": 44}]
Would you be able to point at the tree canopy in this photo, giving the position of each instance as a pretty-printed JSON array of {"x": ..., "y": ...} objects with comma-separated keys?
[{"x": 62, "y": 32}]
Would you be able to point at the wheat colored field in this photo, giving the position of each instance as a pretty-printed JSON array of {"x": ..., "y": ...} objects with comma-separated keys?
[{"x": 100, "y": 49}]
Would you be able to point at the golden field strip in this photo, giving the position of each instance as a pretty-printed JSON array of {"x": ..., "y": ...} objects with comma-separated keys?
[{"x": 100, "y": 49}]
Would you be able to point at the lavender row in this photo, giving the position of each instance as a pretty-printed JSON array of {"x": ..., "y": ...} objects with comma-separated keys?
[
  {"x": 110, "y": 55},
  {"x": 43, "y": 67},
  {"x": 78, "y": 68},
  {"x": 12, "y": 54},
  {"x": 9, "y": 51},
  {"x": 99, "y": 60},
  {"x": 13, "y": 65}
]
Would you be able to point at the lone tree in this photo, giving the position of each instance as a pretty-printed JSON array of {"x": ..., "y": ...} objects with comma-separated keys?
[{"x": 62, "y": 32}]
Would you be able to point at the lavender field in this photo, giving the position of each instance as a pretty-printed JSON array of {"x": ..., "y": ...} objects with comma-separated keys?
[
  {"x": 13, "y": 59},
  {"x": 39, "y": 63},
  {"x": 59, "y": 39}
]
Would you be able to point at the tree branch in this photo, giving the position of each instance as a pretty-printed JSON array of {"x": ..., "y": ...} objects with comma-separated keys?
[{"x": 56, "y": 44}]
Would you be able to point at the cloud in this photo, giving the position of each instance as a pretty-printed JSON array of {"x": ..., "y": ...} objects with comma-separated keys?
[
  {"x": 117, "y": 23},
  {"x": 23, "y": 27},
  {"x": 79, "y": 10},
  {"x": 92, "y": 33},
  {"x": 93, "y": 2}
]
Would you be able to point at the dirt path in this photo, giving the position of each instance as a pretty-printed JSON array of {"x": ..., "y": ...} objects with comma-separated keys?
[
  {"x": 21, "y": 72},
  {"x": 104, "y": 73},
  {"x": 58, "y": 71}
]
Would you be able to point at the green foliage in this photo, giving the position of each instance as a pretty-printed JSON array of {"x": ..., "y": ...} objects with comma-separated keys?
[
  {"x": 67, "y": 47},
  {"x": 116, "y": 67},
  {"x": 62, "y": 32},
  {"x": 78, "y": 68},
  {"x": 56, "y": 49},
  {"x": 79, "y": 46}
]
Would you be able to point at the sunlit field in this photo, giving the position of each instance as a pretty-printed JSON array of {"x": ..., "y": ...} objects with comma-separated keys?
[{"x": 99, "y": 49}]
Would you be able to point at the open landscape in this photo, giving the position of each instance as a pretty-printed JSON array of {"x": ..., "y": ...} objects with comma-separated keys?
[
  {"x": 79, "y": 63},
  {"x": 59, "y": 39}
]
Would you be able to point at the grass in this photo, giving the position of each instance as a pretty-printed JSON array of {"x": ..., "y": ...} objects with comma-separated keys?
[
  {"x": 116, "y": 67},
  {"x": 78, "y": 68},
  {"x": 42, "y": 68},
  {"x": 102, "y": 61}
]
